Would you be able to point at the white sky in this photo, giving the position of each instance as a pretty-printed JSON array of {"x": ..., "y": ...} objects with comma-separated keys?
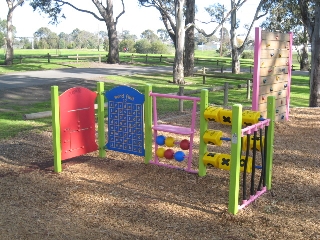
[{"x": 136, "y": 19}]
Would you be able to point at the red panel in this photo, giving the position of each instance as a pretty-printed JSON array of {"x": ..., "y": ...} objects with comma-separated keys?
[{"x": 77, "y": 122}]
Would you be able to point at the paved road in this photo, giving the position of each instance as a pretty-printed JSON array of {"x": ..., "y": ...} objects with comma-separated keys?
[{"x": 32, "y": 78}]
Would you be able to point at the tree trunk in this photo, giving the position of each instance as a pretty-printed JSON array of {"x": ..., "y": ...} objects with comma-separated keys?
[
  {"x": 9, "y": 39},
  {"x": 189, "y": 39},
  {"x": 314, "y": 100},
  {"x": 304, "y": 61},
  {"x": 113, "y": 56},
  {"x": 233, "y": 41},
  {"x": 178, "y": 72}
]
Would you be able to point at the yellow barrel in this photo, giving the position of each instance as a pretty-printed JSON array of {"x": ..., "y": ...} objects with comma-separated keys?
[
  {"x": 213, "y": 137},
  {"x": 250, "y": 117},
  {"x": 244, "y": 143},
  {"x": 225, "y": 116},
  {"x": 225, "y": 161},
  {"x": 211, "y": 158},
  {"x": 212, "y": 113}
]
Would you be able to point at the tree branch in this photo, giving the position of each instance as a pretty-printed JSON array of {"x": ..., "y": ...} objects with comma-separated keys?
[
  {"x": 256, "y": 17},
  {"x": 120, "y": 14},
  {"x": 81, "y": 10},
  {"x": 236, "y": 7}
]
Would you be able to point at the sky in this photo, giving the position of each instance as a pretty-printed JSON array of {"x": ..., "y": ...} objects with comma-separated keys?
[{"x": 136, "y": 19}]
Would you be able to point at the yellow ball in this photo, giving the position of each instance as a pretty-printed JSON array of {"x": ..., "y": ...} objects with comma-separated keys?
[
  {"x": 169, "y": 142},
  {"x": 160, "y": 152}
]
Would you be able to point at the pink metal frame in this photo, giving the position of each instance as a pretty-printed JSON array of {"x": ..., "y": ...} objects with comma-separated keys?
[
  {"x": 250, "y": 130},
  {"x": 174, "y": 129}
]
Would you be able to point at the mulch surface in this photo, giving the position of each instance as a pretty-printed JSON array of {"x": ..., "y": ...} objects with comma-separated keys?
[{"x": 120, "y": 197}]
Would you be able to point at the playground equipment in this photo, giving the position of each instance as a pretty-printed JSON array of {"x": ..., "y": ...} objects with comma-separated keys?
[
  {"x": 272, "y": 72},
  {"x": 130, "y": 130}
]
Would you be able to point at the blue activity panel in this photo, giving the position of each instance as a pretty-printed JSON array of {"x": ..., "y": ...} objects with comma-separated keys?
[{"x": 125, "y": 120}]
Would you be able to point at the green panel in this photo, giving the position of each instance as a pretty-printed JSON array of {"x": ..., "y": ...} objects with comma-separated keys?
[
  {"x": 148, "y": 123},
  {"x": 203, "y": 128},
  {"x": 235, "y": 158},
  {"x": 101, "y": 128},
  {"x": 270, "y": 115},
  {"x": 56, "y": 128}
]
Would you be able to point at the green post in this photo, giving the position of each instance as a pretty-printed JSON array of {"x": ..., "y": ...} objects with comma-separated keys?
[
  {"x": 101, "y": 131},
  {"x": 56, "y": 128},
  {"x": 235, "y": 158},
  {"x": 148, "y": 123},
  {"x": 271, "y": 106},
  {"x": 203, "y": 128}
]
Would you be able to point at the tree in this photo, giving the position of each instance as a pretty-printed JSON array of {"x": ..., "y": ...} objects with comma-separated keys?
[
  {"x": 163, "y": 35},
  {"x": 236, "y": 51},
  {"x": 46, "y": 38},
  {"x": 143, "y": 46},
  {"x": 168, "y": 10},
  {"x": 149, "y": 35},
  {"x": 285, "y": 16},
  {"x": 310, "y": 13},
  {"x": 12, "y": 5},
  {"x": 188, "y": 60},
  {"x": 54, "y": 9}
]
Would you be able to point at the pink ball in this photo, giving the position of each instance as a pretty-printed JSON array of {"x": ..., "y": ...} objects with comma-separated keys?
[
  {"x": 185, "y": 144},
  {"x": 169, "y": 153}
]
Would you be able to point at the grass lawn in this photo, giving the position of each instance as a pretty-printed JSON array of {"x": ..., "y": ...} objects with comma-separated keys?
[{"x": 11, "y": 115}]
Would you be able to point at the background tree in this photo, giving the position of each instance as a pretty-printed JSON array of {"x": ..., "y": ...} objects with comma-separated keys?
[
  {"x": 236, "y": 51},
  {"x": 127, "y": 45},
  {"x": 54, "y": 9},
  {"x": 143, "y": 46},
  {"x": 285, "y": 16},
  {"x": 310, "y": 13},
  {"x": 149, "y": 35},
  {"x": 3, "y": 31},
  {"x": 188, "y": 60},
  {"x": 163, "y": 35},
  {"x": 12, "y": 5}
]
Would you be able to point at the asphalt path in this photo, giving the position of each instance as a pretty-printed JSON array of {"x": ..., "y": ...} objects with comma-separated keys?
[{"x": 33, "y": 78}]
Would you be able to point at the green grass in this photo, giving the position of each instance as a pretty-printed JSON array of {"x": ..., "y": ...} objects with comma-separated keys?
[{"x": 11, "y": 120}]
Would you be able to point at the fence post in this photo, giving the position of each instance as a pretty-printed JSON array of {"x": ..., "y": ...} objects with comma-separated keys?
[
  {"x": 248, "y": 89},
  {"x": 132, "y": 58},
  {"x": 180, "y": 93},
  {"x": 250, "y": 69},
  {"x": 99, "y": 58},
  {"x": 161, "y": 58},
  {"x": 217, "y": 62},
  {"x": 77, "y": 57},
  {"x": 204, "y": 75},
  {"x": 48, "y": 57},
  {"x": 225, "y": 97}
]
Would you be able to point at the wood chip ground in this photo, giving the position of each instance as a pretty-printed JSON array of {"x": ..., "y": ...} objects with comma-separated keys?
[{"x": 120, "y": 197}]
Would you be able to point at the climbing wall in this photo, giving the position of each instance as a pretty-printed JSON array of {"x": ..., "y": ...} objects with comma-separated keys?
[{"x": 272, "y": 72}]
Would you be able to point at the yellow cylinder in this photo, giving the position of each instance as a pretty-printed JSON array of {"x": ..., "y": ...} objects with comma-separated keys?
[
  {"x": 250, "y": 117},
  {"x": 213, "y": 137},
  {"x": 258, "y": 146},
  {"x": 225, "y": 116},
  {"x": 211, "y": 158},
  {"x": 212, "y": 113},
  {"x": 224, "y": 162}
]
